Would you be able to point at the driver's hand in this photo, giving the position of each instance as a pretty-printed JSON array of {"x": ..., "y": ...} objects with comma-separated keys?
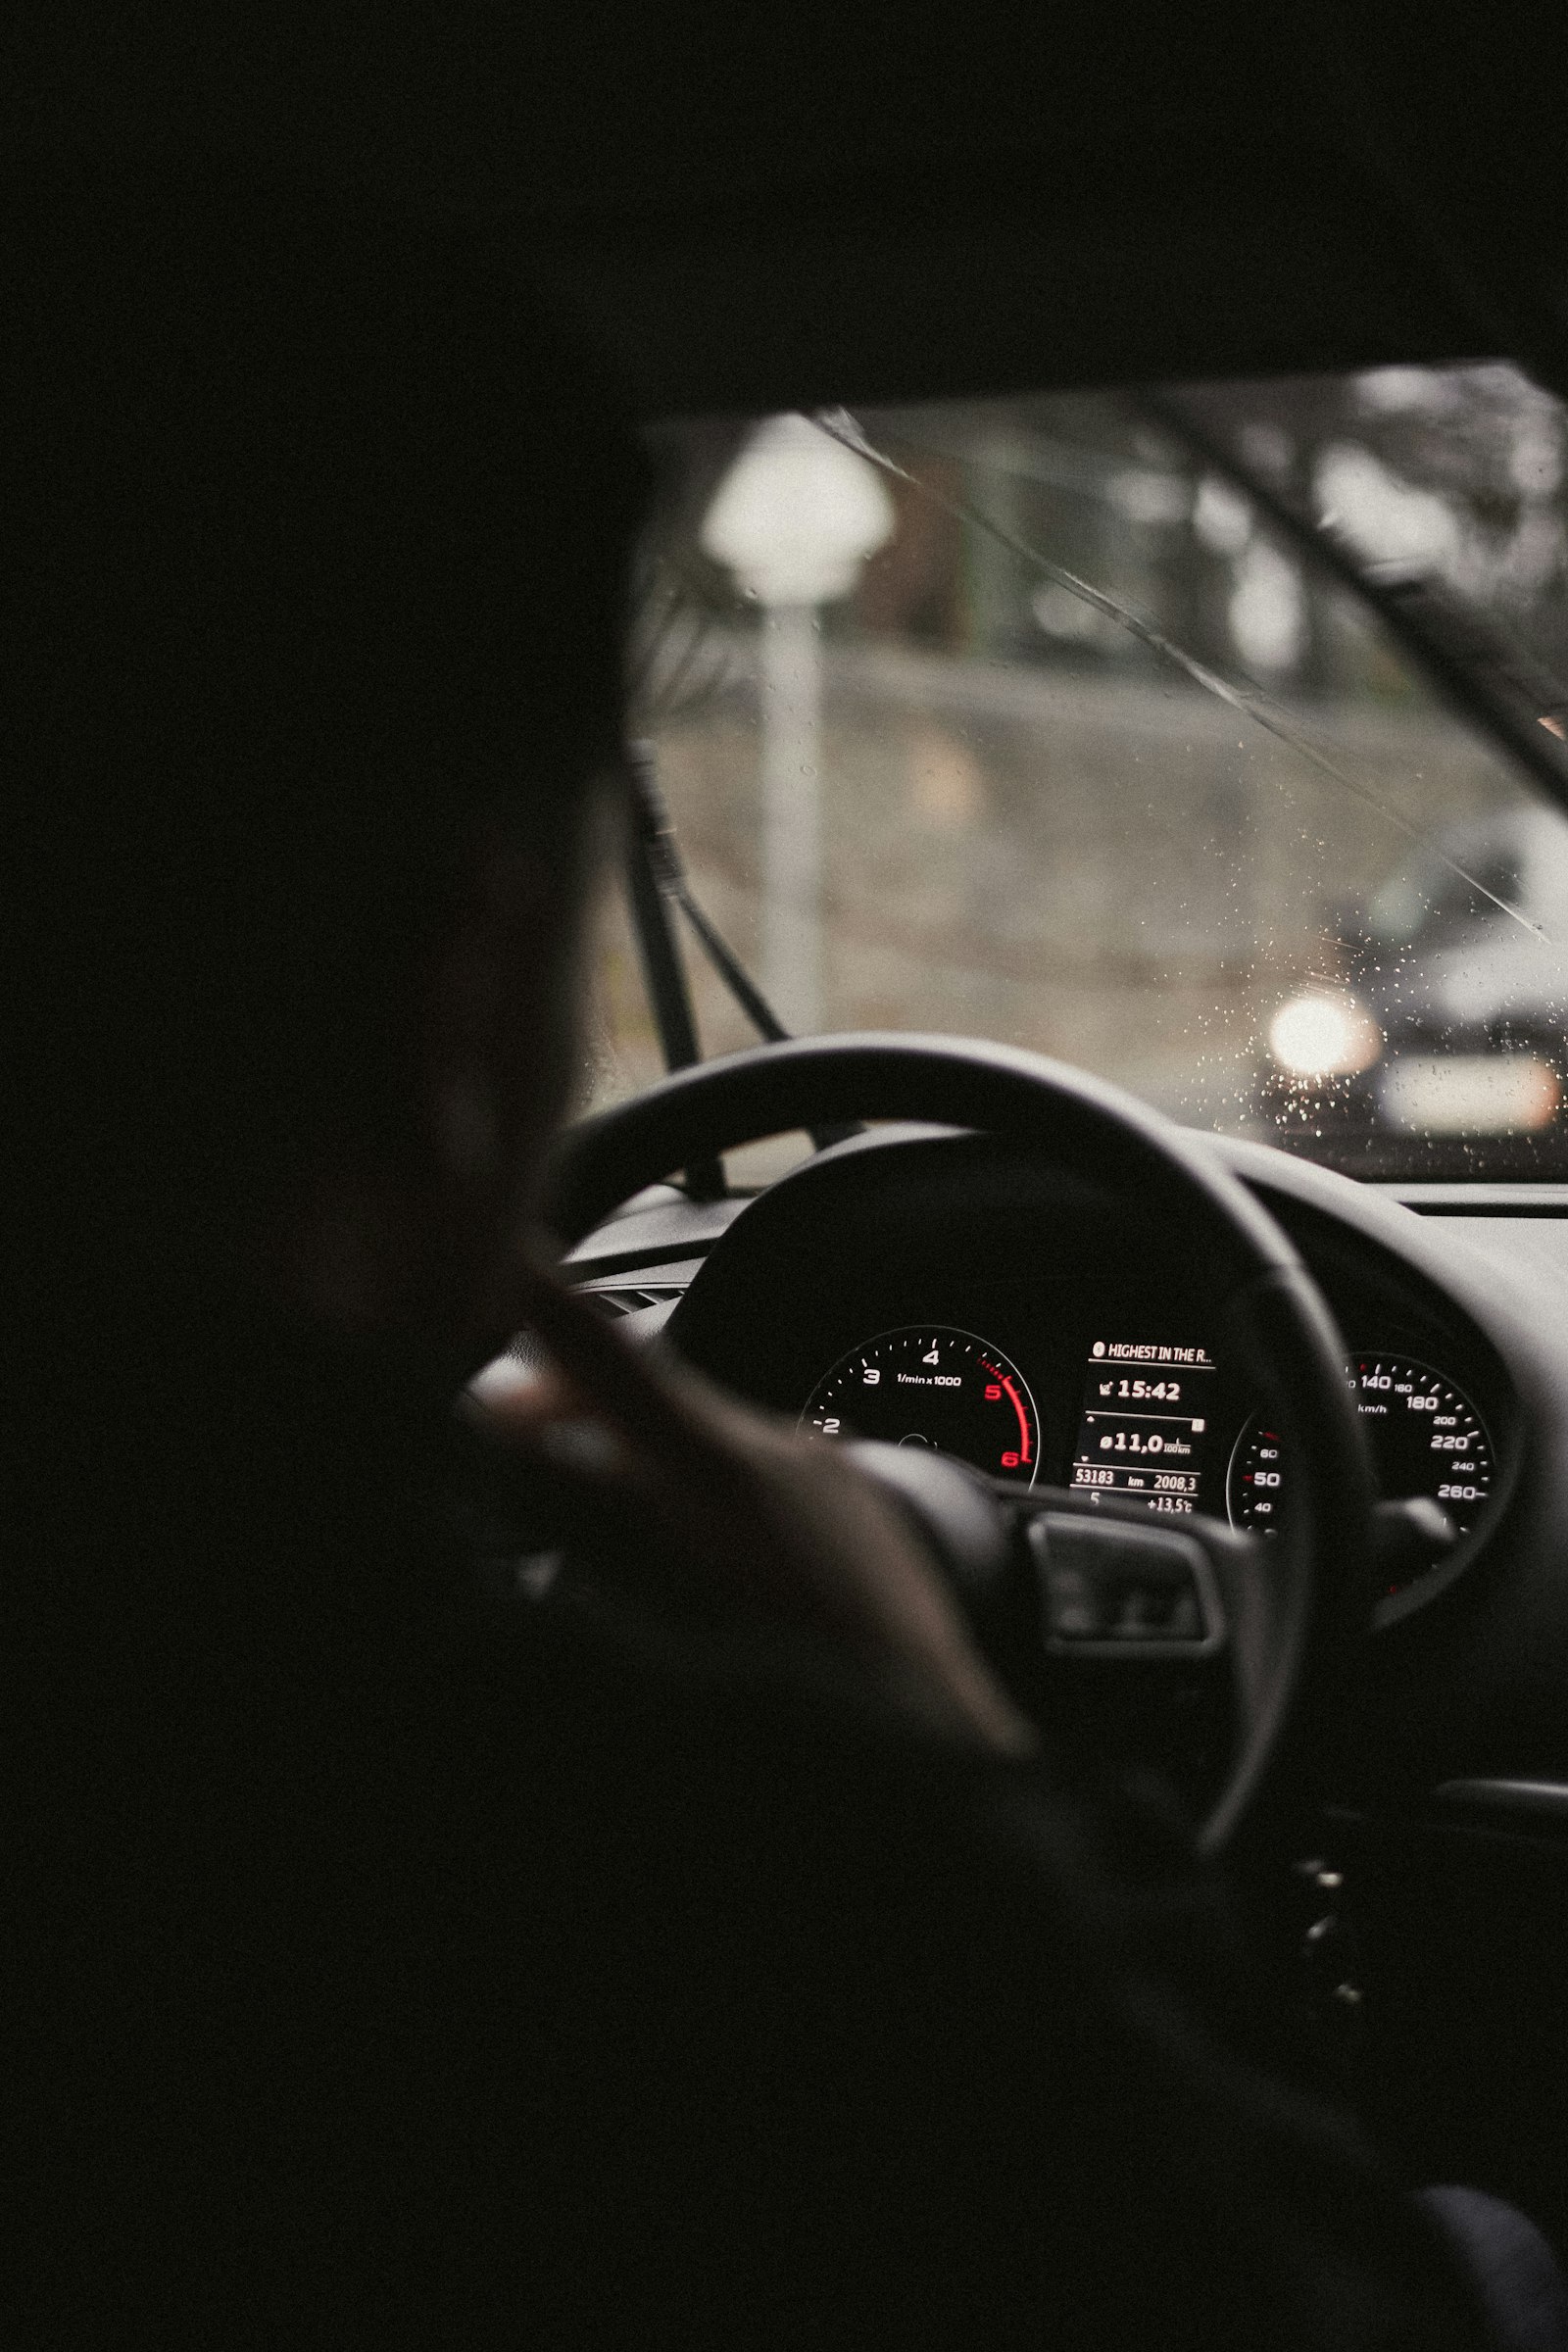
[{"x": 787, "y": 1524}]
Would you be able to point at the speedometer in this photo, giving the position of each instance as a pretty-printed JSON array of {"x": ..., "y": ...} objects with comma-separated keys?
[
  {"x": 1425, "y": 1435},
  {"x": 930, "y": 1385}
]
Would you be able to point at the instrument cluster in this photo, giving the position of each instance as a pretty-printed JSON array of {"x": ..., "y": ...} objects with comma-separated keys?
[
  {"x": 1154, "y": 1419},
  {"x": 943, "y": 1293}
]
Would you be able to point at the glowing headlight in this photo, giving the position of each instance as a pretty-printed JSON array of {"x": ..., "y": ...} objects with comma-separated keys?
[{"x": 1324, "y": 1037}]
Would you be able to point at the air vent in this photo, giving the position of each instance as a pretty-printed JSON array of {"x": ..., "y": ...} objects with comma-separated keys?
[{"x": 613, "y": 1301}]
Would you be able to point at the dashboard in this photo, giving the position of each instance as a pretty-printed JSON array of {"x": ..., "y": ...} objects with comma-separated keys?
[
  {"x": 1457, "y": 1295},
  {"x": 942, "y": 1293}
]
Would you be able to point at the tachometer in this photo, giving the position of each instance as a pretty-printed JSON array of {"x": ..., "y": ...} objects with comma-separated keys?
[
  {"x": 930, "y": 1385},
  {"x": 1426, "y": 1439}
]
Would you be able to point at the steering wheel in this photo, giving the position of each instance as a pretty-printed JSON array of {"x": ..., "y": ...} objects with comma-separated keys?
[{"x": 1109, "y": 1581}]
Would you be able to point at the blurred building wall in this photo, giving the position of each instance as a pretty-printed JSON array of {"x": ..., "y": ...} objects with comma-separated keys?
[{"x": 1116, "y": 870}]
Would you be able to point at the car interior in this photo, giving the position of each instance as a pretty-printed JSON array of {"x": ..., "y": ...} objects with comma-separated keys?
[
  {"x": 911, "y": 224},
  {"x": 1263, "y": 1451}
]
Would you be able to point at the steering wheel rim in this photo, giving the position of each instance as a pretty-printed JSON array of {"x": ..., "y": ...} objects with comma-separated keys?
[{"x": 1317, "y": 1589}]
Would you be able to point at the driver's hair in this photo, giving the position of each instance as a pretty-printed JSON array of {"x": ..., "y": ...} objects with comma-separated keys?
[{"x": 315, "y": 538}]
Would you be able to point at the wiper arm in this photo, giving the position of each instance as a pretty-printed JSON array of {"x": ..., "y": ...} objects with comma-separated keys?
[
  {"x": 1464, "y": 660},
  {"x": 664, "y": 973},
  {"x": 663, "y": 874},
  {"x": 656, "y": 878}
]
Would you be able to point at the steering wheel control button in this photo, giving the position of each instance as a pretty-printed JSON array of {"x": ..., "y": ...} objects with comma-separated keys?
[
  {"x": 929, "y": 1385},
  {"x": 1108, "y": 1590}
]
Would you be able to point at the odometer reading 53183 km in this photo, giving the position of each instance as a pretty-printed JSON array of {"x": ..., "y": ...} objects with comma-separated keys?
[
  {"x": 1147, "y": 1422},
  {"x": 929, "y": 1385}
]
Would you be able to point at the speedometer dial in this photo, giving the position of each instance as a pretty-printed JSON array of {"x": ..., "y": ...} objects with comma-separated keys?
[
  {"x": 930, "y": 1385},
  {"x": 1425, "y": 1435}
]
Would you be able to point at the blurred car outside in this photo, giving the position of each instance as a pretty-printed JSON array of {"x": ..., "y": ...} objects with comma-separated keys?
[{"x": 1438, "y": 1045}]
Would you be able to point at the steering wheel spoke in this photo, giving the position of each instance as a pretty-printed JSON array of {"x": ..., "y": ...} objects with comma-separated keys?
[
  {"x": 1115, "y": 1586},
  {"x": 1124, "y": 1586}
]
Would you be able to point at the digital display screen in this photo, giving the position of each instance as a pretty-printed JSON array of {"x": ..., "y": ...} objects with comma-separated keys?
[{"x": 1146, "y": 1424}]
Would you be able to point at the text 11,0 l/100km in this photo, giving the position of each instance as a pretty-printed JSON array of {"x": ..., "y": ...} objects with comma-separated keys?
[{"x": 1147, "y": 1411}]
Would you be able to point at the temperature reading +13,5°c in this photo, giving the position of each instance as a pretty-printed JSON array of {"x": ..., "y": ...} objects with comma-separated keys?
[{"x": 1146, "y": 1414}]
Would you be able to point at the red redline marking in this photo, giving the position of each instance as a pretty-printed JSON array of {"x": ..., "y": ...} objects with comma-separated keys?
[{"x": 1023, "y": 1425}]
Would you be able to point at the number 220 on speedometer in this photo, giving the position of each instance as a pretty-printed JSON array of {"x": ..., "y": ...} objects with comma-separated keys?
[{"x": 929, "y": 1385}]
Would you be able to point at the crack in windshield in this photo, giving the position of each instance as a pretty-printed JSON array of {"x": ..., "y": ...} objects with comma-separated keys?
[
  {"x": 1199, "y": 737},
  {"x": 842, "y": 427}
]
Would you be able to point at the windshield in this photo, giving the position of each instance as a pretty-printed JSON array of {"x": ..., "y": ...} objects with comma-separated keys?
[{"x": 1041, "y": 720}]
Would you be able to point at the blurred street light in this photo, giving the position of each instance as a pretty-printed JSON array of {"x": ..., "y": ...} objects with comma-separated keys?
[{"x": 794, "y": 519}]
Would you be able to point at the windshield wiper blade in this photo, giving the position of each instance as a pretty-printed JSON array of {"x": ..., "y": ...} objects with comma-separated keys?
[
  {"x": 655, "y": 874},
  {"x": 664, "y": 973},
  {"x": 1462, "y": 658},
  {"x": 666, "y": 871}
]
